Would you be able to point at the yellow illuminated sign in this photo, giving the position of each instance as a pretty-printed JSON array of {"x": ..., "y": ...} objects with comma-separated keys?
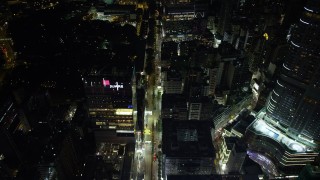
[
  {"x": 147, "y": 131},
  {"x": 126, "y": 112},
  {"x": 266, "y": 36},
  {"x": 99, "y": 123}
]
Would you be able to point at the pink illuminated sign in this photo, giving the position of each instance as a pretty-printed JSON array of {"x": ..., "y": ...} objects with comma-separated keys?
[
  {"x": 105, "y": 82},
  {"x": 112, "y": 86}
]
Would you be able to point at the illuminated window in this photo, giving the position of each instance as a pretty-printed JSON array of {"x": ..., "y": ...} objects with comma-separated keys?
[{"x": 99, "y": 123}]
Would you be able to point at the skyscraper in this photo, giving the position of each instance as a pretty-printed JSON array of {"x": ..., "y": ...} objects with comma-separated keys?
[
  {"x": 110, "y": 104},
  {"x": 295, "y": 101}
]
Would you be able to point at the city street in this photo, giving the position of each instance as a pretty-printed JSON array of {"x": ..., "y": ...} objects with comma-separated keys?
[
  {"x": 152, "y": 137},
  {"x": 152, "y": 116},
  {"x": 146, "y": 159}
]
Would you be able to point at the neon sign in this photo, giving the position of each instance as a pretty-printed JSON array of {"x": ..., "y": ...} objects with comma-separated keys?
[
  {"x": 117, "y": 86},
  {"x": 114, "y": 86},
  {"x": 105, "y": 82}
]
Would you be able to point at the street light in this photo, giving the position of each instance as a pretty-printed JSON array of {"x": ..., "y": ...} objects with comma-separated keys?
[{"x": 147, "y": 131}]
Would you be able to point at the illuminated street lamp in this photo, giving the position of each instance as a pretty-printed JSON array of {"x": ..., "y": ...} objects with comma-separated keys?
[{"x": 147, "y": 131}]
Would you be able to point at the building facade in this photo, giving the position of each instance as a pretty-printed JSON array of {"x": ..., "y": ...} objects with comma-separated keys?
[
  {"x": 187, "y": 148},
  {"x": 173, "y": 83},
  {"x": 110, "y": 104},
  {"x": 295, "y": 101}
]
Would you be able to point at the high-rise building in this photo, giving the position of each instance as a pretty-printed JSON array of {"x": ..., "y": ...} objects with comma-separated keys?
[
  {"x": 295, "y": 101},
  {"x": 227, "y": 66},
  {"x": 200, "y": 108},
  {"x": 233, "y": 153},
  {"x": 174, "y": 106},
  {"x": 187, "y": 148},
  {"x": 13, "y": 125},
  {"x": 309, "y": 172},
  {"x": 173, "y": 82},
  {"x": 287, "y": 130},
  {"x": 69, "y": 162},
  {"x": 169, "y": 50},
  {"x": 110, "y": 105}
]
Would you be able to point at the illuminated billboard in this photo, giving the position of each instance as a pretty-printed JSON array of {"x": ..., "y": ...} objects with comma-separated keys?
[
  {"x": 105, "y": 82},
  {"x": 116, "y": 85},
  {"x": 126, "y": 112}
]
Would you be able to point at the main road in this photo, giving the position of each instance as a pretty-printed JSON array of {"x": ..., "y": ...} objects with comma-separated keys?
[
  {"x": 145, "y": 165},
  {"x": 152, "y": 115}
]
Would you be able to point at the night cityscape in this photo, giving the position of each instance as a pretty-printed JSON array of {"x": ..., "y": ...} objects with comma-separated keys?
[{"x": 159, "y": 89}]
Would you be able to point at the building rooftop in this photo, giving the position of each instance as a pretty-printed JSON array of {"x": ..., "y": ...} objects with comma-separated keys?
[
  {"x": 264, "y": 129},
  {"x": 118, "y": 87},
  {"x": 187, "y": 138},
  {"x": 214, "y": 177},
  {"x": 241, "y": 126},
  {"x": 173, "y": 100},
  {"x": 250, "y": 167},
  {"x": 202, "y": 99},
  {"x": 310, "y": 172},
  {"x": 173, "y": 75},
  {"x": 234, "y": 141},
  {"x": 187, "y": 7},
  {"x": 226, "y": 50}
]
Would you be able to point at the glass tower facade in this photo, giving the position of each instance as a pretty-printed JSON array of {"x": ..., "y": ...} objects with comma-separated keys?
[{"x": 295, "y": 101}]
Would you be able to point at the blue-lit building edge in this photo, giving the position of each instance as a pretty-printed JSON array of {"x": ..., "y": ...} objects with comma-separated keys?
[
  {"x": 287, "y": 161},
  {"x": 295, "y": 103}
]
